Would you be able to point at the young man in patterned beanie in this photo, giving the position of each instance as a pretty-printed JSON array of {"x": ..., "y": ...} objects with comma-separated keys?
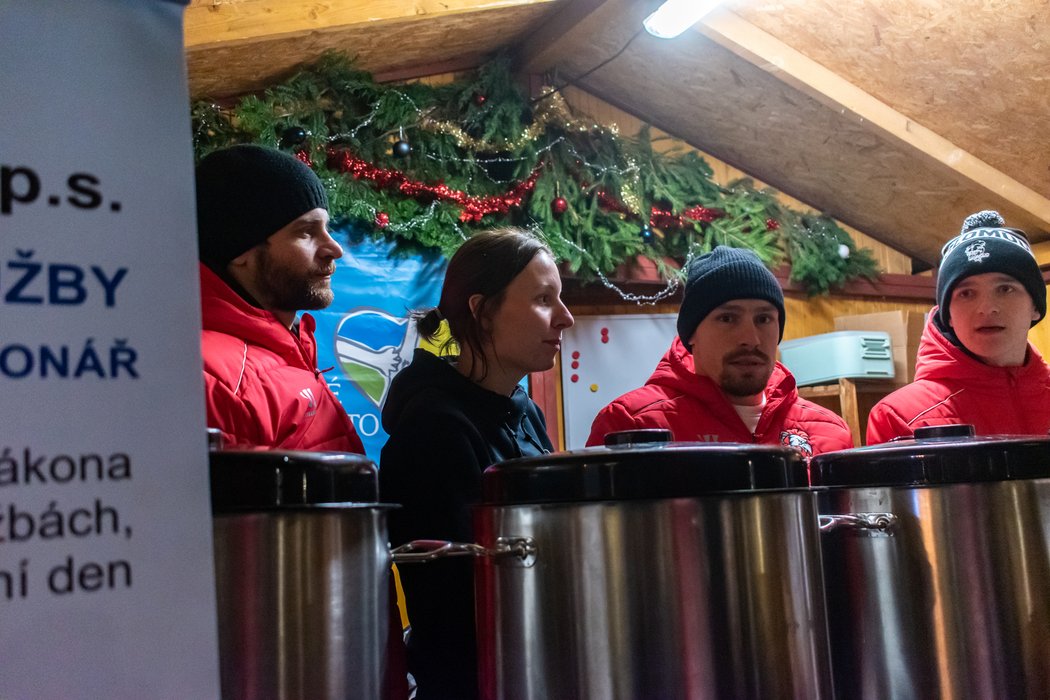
[
  {"x": 975, "y": 365},
  {"x": 720, "y": 381}
]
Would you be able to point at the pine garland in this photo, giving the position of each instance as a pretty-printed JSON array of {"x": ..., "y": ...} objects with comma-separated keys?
[{"x": 482, "y": 155}]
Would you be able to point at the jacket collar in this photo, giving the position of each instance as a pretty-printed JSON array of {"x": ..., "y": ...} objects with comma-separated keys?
[
  {"x": 427, "y": 371},
  {"x": 939, "y": 358},
  {"x": 224, "y": 311},
  {"x": 676, "y": 370}
]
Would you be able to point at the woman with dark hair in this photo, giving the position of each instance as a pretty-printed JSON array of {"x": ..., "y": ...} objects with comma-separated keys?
[{"x": 450, "y": 417}]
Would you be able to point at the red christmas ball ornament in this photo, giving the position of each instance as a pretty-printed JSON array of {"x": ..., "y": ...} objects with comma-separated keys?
[
  {"x": 772, "y": 224},
  {"x": 480, "y": 99},
  {"x": 559, "y": 206},
  {"x": 382, "y": 219}
]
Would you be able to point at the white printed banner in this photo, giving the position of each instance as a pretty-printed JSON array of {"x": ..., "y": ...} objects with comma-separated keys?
[{"x": 106, "y": 578}]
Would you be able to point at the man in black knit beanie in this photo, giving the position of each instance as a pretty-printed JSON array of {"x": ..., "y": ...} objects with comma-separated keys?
[
  {"x": 265, "y": 250},
  {"x": 720, "y": 381},
  {"x": 266, "y": 253}
]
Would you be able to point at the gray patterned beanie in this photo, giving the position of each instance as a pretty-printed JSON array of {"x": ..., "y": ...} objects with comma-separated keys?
[{"x": 985, "y": 244}]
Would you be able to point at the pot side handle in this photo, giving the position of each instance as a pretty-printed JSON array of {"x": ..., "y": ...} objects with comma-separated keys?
[
  {"x": 882, "y": 522},
  {"x": 416, "y": 551}
]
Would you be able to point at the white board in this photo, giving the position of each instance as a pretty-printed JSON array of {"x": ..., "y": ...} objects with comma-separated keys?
[
  {"x": 606, "y": 356},
  {"x": 106, "y": 572}
]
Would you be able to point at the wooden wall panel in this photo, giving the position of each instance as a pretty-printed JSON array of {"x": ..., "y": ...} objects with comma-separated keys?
[
  {"x": 805, "y": 316},
  {"x": 816, "y": 315},
  {"x": 1040, "y": 338}
]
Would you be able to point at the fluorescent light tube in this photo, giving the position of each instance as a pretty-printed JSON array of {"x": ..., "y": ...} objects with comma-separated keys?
[{"x": 675, "y": 16}]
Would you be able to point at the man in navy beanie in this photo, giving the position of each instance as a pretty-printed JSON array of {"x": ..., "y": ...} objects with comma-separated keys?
[
  {"x": 975, "y": 365},
  {"x": 265, "y": 251},
  {"x": 720, "y": 381}
]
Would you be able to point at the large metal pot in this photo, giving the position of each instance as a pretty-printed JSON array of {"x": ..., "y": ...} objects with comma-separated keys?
[
  {"x": 681, "y": 571},
  {"x": 952, "y": 600},
  {"x": 302, "y": 575}
]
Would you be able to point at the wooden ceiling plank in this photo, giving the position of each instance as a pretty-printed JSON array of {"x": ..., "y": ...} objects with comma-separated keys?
[
  {"x": 974, "y": 71},
  {"x": 767, "y": 52},
  {"x": 219, "y": 71},
  {"x": 212, "y": 22}
]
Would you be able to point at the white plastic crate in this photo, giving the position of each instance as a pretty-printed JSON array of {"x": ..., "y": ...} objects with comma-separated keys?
[{"x": 819, "y": 359}]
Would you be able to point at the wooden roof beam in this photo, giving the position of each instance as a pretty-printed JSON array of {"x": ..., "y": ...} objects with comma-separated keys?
[
  {"x": 790, "y": 66},
  {"x": 214, "y": 22}
]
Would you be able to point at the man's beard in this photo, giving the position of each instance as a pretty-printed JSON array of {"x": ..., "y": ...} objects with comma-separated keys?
[
  {"x": 289, "y": 290},
  {"x": 733, "y": 383}
]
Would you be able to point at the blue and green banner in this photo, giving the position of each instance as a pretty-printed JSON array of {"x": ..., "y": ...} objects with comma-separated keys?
[{"x": 367, "y": 335}]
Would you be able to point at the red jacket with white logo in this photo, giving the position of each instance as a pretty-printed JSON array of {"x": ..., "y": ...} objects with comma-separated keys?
[
  {"x": 694, "y": 408},
  {"x": 953, "y": 387},
  {"x": 262, "y": 386}
]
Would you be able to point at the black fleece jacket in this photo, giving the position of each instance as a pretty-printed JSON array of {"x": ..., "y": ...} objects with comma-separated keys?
[{"x": 444, "y": 431}]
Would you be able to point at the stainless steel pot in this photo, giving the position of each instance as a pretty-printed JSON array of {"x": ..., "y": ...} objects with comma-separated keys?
[
  {"x": 952, "y": 600},
  {"x": 681, "y": 571},
  {"x": 302, "y": 575}
]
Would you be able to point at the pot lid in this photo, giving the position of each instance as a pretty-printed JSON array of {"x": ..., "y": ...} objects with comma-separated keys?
[
  {"x": 941, "y": 455},
  {"x": 662, "y": 470},
  {"x": 641, "y": 436},
  {"x": 259, "y": 480}
]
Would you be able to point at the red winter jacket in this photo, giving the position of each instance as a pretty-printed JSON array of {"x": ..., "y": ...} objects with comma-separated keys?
[
  {"x": 262, "y": 386},
  {"x": 953, "y": 387},
  {"x": 694, "y": 408}
]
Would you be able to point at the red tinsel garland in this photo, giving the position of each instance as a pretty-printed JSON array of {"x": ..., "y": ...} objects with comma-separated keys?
[
  {"x": 610, "y": 203},
  {"x": 660, "y": 218},
  {"x": 474, "y": 208}
]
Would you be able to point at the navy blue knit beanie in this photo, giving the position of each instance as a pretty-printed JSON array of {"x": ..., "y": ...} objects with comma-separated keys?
[
  {"x": 722, "y": 275},
  {"x": 986, "y": 245},
  {"x": 247, "y": 193}
]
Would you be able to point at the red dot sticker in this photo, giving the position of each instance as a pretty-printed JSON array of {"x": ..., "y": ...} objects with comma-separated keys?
[
  {"x": 605, "y": 339},
  {"x": 575, "y": 364},
  {"x": 574, "y": 378},
  {"x": 575, "y": 354},
  {"x": 605, "y": 331}
]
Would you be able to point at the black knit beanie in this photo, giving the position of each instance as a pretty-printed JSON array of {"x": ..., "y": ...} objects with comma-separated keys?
[
  {"x": 986, "y": 245},
  {"x": 247, "y": 193},
  {"x": 722, "y": 275}
]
